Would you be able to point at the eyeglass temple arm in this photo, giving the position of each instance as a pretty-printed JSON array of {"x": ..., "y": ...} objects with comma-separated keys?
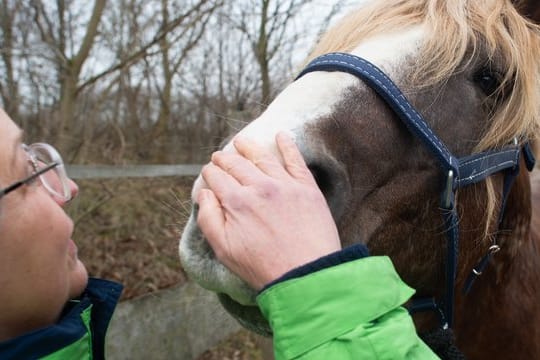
[{"x": 19, "y": 183}]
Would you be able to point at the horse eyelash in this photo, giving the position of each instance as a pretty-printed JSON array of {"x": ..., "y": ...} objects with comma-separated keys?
[{"x": 498, "y": 91}]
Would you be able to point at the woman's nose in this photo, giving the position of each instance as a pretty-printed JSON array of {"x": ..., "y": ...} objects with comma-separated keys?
[
  {"x": 73, "y": 191},
  {"x": 73, "y": 188}
]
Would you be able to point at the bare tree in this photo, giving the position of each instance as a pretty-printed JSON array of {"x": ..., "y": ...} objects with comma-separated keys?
[
  {"x": 266, "y": 23},
  {"x": 108, "y": 78},
  {"x": 9, "y": 86},
  {"x": 55, "y": 33},
  {"x": 69, "y": 51},
  {"x": 174, "y": 49},
  {"x": 221, "y": 83}
]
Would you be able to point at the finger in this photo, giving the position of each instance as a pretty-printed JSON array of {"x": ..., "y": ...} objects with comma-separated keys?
[
  {"x": 240, "y": 168},
  {"x": 211, "y": 219},
  {"x": 294, "y": 161},
  {"x": 261, "y": 157},
  {"x": 219, "y": 181}
]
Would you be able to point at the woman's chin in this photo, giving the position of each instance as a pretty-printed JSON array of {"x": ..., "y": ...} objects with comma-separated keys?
[{"x": 78, "y": 279}]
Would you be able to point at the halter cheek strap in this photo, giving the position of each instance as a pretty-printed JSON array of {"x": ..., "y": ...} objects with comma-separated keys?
[{"x": 458, "y": 172}]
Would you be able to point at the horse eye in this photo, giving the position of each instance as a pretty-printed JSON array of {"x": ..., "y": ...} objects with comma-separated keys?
[{"x": 488, "y": 81}]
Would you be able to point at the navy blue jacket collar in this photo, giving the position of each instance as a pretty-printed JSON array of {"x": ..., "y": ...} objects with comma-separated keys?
[{"x": 101, "y": 295}]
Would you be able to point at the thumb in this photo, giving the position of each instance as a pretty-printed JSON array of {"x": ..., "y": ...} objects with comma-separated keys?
[{"x": 210, "y": 218}]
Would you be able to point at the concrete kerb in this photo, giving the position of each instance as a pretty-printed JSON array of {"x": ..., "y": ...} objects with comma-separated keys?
[{"x": 177, "y": 323}]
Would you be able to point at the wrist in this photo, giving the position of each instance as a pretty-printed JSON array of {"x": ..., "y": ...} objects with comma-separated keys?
[{"x": 353, "y": 252}]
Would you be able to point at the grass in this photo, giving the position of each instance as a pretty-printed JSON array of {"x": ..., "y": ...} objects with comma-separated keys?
[{"x": 127, "y": 230}]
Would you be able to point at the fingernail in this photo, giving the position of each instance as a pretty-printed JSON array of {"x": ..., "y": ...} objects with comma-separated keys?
[
  {"x": 215, "y": 154},
  {"x": 203, "y": 195},
  {"x": 287, "y": 135},
  {"x": 241, "y": 139}
]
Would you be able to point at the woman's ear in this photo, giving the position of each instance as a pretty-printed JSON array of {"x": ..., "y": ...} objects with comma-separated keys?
[{"x": 529, "y": 8}]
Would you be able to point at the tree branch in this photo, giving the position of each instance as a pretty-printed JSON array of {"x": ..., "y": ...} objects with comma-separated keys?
[
  {"x": 143, "y": 51},
  {"x": 88, "y": 40}
]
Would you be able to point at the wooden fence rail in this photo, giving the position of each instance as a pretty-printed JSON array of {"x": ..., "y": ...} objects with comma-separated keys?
[{"x": 133, "y": 171}]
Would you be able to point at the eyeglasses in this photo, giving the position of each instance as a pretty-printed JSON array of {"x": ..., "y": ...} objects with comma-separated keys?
[{"x": 48, "y": 167}]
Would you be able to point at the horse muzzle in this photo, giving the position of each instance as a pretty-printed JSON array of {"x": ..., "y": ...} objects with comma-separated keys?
[{"x": 202, "y": 266}]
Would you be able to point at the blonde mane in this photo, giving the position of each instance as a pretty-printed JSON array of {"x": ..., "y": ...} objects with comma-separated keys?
[{"x": 459, "y": 28}]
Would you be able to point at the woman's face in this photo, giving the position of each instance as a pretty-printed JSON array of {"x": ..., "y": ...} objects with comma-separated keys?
[{"x": 39, "y": 267}]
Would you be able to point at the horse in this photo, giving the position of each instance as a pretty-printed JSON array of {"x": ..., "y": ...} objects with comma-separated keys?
[{"x": 470, "y": 69}]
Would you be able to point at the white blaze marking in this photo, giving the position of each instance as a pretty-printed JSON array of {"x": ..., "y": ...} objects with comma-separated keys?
[
  {"x": 390, "y": 50},
  {"x": 315, "y": 94}
]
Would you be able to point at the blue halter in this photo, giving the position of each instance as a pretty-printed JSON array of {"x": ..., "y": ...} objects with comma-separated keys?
[{"x": 458, "y": 172}]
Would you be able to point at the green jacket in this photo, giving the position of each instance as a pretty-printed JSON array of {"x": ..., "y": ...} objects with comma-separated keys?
[{"x": 349, "y": 311}]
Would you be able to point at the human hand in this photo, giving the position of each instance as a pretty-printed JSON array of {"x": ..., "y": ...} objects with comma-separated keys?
[{"x": 261, "y": 217}]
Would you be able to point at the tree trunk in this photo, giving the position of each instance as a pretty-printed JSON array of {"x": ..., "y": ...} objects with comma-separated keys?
[
  {"x": 162, "y": 122},
  {"x": 261, "y": 53},
  {"x": 9, "y": 90},
  {"x": 70, "y": 72}
]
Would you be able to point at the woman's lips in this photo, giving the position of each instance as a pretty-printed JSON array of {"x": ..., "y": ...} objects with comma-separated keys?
[{"x": 72, "y": 249}]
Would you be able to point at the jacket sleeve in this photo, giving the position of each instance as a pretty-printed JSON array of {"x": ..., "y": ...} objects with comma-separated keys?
[{"x": 349, "y": 311}]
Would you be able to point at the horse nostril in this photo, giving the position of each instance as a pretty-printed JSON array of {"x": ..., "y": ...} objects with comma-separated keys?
[
  {"x": 322, "y": 177},
  {"x": 332, "y": 180}
]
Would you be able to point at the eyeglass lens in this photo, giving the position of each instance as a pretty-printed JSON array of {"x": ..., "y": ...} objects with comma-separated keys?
[{"x": 54, "y": 180}]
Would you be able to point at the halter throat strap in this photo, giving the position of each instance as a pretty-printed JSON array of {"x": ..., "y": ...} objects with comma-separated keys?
[{"x": 457, "y": 172}]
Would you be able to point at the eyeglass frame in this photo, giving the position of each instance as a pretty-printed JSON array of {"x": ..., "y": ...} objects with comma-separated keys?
[{"x": 37, "y": 173}]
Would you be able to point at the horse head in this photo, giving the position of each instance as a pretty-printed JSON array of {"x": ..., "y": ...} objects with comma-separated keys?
[{"x": 469, "y": 68}]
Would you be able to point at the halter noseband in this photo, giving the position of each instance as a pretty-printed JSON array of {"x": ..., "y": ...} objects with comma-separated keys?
[{"x": 458, "y": 172}]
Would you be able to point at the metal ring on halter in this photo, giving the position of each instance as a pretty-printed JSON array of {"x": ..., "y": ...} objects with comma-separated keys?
[
  {"x": 492, "y": 250},
  {"x": 449, "y": 190}
]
